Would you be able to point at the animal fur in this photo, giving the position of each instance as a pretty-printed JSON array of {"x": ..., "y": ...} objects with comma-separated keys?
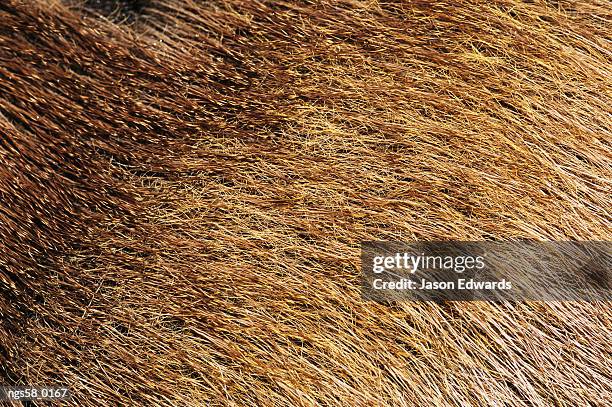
[{"x": 185, "y": 184}]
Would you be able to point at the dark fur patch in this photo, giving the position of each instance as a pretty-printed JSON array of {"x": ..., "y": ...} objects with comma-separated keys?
[{"x": 121, "y": 10}]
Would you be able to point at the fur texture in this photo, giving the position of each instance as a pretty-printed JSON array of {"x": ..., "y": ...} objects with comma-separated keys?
[{"x": 185, "y": 184}]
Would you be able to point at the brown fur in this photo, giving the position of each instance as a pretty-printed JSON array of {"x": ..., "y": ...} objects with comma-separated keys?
[{"x": 185, "y": 185}]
